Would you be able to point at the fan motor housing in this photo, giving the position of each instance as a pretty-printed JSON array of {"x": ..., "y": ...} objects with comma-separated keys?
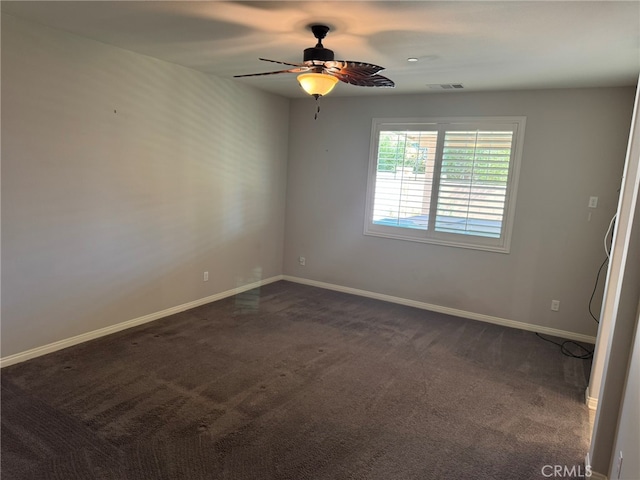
[{"x": 318, "y": 53}]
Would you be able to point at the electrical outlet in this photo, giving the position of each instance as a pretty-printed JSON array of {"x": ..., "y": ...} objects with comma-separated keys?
[
  {"x": 593, "y": 202},
  {"x": 302, "y": 261},
  {"x": 555, "y": 305},
  {"x": 205, "y": 277}
]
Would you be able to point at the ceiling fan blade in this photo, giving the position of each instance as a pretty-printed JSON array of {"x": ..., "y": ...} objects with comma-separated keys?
[
  {"x": 291, "y": 70},
  {"x": 365, "y": 81},
  {"x": 360, "y": 68},
  {"x": 282, "y": 63},
  {"x": 358, "y": 73}
]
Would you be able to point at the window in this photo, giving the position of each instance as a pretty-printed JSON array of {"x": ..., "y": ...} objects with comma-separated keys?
[{"x": 447, "y": 181}]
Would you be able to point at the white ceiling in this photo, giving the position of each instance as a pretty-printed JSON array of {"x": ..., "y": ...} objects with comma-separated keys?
[{"x": 484, "y": 45}]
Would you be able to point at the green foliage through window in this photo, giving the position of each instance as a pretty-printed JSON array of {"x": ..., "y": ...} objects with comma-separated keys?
[{"x": 401, "y": 150}]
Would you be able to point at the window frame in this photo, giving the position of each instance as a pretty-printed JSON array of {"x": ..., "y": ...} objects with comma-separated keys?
[{"x": 441, "y": 125}]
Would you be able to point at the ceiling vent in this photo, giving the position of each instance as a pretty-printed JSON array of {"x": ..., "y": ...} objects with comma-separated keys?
[{"x": 445, "y": 86}]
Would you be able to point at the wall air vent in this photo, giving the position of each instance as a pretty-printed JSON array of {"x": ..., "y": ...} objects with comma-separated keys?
[{"x": 445, "y": 86}]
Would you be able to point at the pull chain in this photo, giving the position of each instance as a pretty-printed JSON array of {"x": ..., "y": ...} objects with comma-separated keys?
[{"x": 315, "y": 117}]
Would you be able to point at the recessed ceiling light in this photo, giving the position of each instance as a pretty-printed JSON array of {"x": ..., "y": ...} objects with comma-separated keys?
[{"x": 412, "y": 59}]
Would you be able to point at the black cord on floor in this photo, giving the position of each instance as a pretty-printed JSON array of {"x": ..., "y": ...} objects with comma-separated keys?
[{"x": 565, "y": 351}]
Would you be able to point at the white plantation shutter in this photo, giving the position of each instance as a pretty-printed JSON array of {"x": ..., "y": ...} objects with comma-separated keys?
[
  {"x": 473, "y": 182},
  {"x": 447, "y": 181}
]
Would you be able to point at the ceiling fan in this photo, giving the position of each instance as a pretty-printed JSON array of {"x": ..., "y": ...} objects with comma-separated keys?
[{"x": 319, "y": 72}]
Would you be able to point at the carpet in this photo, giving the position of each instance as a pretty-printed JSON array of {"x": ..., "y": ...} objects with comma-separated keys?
[{"x": 295, "y": 382}]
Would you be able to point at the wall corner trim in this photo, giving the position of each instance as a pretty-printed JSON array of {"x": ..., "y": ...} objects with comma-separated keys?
[
  {"x": 594, "y": 475},
  {"x": 446, "y": 310},
  {"x": 101, "y": 332},
  {"x": 592, "y": 402}
]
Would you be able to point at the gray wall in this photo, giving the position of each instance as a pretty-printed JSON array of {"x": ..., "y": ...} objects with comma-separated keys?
[
  {"x": 124, "y": 178},
  {"x": 574, "y": 147}
]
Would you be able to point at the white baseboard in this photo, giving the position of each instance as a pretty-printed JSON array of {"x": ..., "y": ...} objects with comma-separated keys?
[
  {"x": 59, "y": 345},
  {"x": 594, "y": 475},
  {"x": 449, "y": 311},
  {"x": 591, "y": 402},
  {"x": 84, "y": 337}
]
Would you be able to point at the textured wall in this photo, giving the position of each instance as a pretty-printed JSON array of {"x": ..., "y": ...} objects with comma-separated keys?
[
  {"x": 574, "y": 147},
  {"x": 124, "y": 178}
]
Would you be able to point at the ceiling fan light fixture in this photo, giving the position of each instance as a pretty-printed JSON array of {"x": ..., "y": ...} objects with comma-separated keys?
[{"x": 317, "y": 84}]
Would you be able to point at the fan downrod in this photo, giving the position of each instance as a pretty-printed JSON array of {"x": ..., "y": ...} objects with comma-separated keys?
[{"x": 319, "y": 31}]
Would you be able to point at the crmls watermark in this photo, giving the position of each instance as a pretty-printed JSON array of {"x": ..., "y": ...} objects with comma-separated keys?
[{"x": 566, "y": 471}]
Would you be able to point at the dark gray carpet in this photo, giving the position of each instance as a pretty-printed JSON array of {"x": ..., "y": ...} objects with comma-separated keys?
[{"x": 295, "y": 382}]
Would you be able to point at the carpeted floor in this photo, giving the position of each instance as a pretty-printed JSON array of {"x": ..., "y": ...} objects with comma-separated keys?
[{"x": 295, "y": 382}]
